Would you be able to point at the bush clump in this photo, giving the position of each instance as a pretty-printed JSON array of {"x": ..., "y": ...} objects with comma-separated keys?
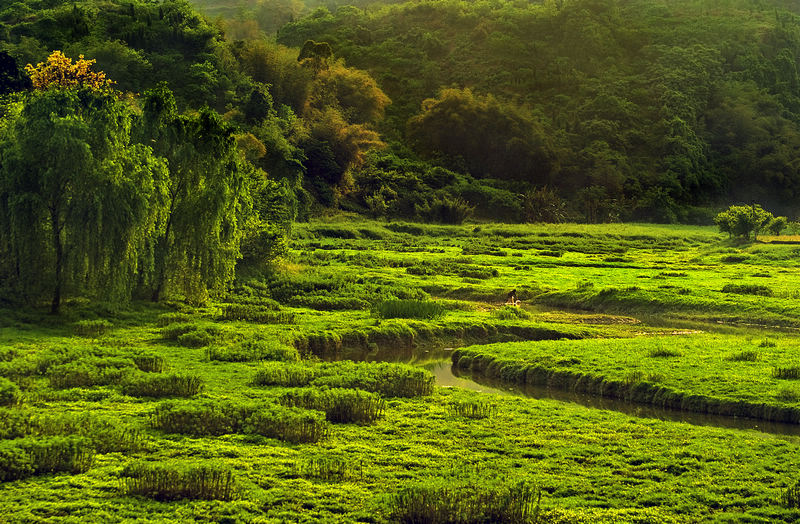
[
  {"x": 338, "y": 404},
  {"x": 173, "y": 385},
  {"x": 173, "y": 481},
  {"x": 409, "y": 308}
]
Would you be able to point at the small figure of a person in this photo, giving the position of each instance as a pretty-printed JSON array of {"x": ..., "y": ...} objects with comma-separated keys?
[{"x": 511, "y": 299}]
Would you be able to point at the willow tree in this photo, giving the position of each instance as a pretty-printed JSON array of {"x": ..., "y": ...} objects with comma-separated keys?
[
  {"x": 79, "y": 201},
  {"x": 207, "y": 198}
]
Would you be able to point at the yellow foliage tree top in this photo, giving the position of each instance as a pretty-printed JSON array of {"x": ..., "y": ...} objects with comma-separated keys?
[{"x": 60, "y": 71}]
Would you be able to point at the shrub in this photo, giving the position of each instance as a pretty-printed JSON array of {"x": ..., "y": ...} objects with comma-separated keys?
[
  {"x": 173, "y": 481},
  {"x": 445, "y": 210},
  {"x": 435, "y": 504},
  {"x": 9, "y": 393},
  {"x": 287, "y": 375},
  {"x": 150, "y": 363},
  {"x": 409, "y": 308},
  {"x": 740, "y": 221},
  {"x": 339, "y": 405},
  {"x": 475, "y": 409},
  {"x": 389, "y": 380},
  {"x": 777, "y": 225},
  {"x": 287, "y": 423},
  {"x": 163, "y": 386},
  {"x": 91, "y": 328},
  {"x": 747, "y": 289}
]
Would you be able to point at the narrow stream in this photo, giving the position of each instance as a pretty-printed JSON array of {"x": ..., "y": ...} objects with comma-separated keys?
[{"x": 438, "y": 362}]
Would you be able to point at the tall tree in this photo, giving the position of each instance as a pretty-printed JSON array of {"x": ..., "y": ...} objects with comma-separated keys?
[
  {"x": 78, "y": 201},
  {"x": 207, "y": 198}
]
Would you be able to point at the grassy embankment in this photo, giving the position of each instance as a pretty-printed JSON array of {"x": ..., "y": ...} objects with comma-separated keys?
[{"x": 221, "y": 413}]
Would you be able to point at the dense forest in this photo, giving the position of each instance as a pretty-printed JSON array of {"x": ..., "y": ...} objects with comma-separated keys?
[{"x": 264, "y": 112}]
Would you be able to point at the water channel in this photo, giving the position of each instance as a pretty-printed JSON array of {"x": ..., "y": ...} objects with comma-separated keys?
[{"x": 438, "y": 362}]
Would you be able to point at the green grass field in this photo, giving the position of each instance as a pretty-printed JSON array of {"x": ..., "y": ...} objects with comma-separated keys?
[{"x": 249, "y": 410}]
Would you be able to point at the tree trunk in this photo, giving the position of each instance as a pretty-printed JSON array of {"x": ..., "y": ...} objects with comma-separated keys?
[{"x": 59, "y": 269}]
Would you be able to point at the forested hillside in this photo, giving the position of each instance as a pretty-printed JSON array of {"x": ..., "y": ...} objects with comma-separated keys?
[{"x": 588, "y": 110}]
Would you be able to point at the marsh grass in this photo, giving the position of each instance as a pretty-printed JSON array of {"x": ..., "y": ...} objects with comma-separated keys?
[
  {"x": 173, "y": 481},
  {"x": 434, "y": 504},
  {"x": 89, "y": 372},
  {"x": 173, "y": 318},
  {"x": 174, "y": 385},
  {"x": 409, "y": 308},
  {"x": 473, "y": 408},
  {"x": 791, "y": 497},
  {"x": 767, "y": 343},
  {"x": 338, "y": 404}
]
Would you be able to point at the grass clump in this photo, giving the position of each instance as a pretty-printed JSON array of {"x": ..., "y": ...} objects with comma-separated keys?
[
  {"x": 150, "y": 363},
  {"x": 208, "y": 418},
  {"x": 173, "y": 318},
  {"x": 254, "y": 350},
  {"x": 511, "y": 313},
  {"x": 326, "y": 468},
  {"x": 474, "y": 409},
  {"x": 748, "y": 289},
  {"x": 88, "y": 372},
  {"x": 91, "y": 328},
  {"x": 789, "y": 373},
  {"x": 338, "y": 404},
  {"x": 173, "y": 385},
  {"x": 747, "y": 355},
  {"x": 661, "y": 352},
  {"x": 21, "y": 458},
  {"x": 389, "y": 380},
  {"x": 286, "y": 375},
  {"x": 409, "y": 308},
  {"x": 290, "y": 424},
  {"x": 10, "y": 394},
  {"x": 791, "y": 497},
  {"x": 767, "y": 343},
  {"x": 174, "y": 481},
  {"x": 435, "y": 504},
  {"x": 255, "y": 313}
]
